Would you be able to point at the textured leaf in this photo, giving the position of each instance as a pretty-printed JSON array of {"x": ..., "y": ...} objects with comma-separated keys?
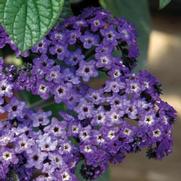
[
  {"x": 164, "y": 3},
  {"x": 27, "y": 21},
  {"x": 29, "y": 98},
  {"x": 138, "y": 14}
]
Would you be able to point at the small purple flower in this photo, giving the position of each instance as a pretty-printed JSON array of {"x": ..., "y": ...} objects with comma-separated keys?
[
  {"x": 56, "y": 128},
  {"x": 69, "y": 76},
  {"x": 61, "y": 91},
  {"x": 87, "y": 70},
  {"x": 56, "y": 159},
  {"x": 65, "y": 148},
  {"x": 53, "y": 74},
  {"x": 66, "y": 175},
  {"x": 110, "y": 133},
  {"x": 110, "y": 35},
  {"x": 8, "y": 156},
  {"x": 156, "y": 133},
  {"x": 43, "y": 89},
  {"x": 89, "y": 40},
  {"x": 117, "y": 71},
  {"x": 127, "y": 31},
  {"x": 114, "y": 117},
  {"x": 49, "y": 170},
  {"x": 73, "y": 36},
  {"x": 132, "y": 110},
  {"x": 7, "y": 138},
  {"x": 99, "y": 138},
  {"x": 35, "y": 158},
  {"x": 87, "y": 149},
  {"x": 5, "y": 88},
  {"x": 15, "y": 108},
  {"x": 75, "y": 57},
  {"x": 41, "y": 118},
  {"x": 60, "y": 50},
  {"x": 23, "y": 144},
  {"x": 100, "y": 118},
  {"x": 85, "y": 134},
  {"x": 95, "y": 96},
  {"x": 133, "y": 86},
  {"x": 45, "y": 177},
  {"x": 114, "y": 86},
  {"x": 102, "y": 49},
  {"x": 84, "y": 110},
  {"x": 127, "y": 132},
  {"x": 56, "y": 36},
  {"x": 37, "y": 73},
  {"x": 72, "y": 100},
  {"x": 148, "y": 118},
  {"x": 41, "y": 47},
  {"x": 104, "y": 61},
  {"x": 43, "y": 62},
  {"x": 74, "y": 128},
  {"x": 96, "y": 23},
  {"x": 46, "y": 143}
]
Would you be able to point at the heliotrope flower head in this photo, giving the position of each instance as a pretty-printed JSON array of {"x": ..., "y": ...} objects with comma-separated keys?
[{"x": 85, "y": 63}]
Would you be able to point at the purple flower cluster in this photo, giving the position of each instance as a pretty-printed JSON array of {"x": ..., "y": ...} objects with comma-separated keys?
[
  {"x": 106, "y": 119},
  {"x": 34, "y": 144}
]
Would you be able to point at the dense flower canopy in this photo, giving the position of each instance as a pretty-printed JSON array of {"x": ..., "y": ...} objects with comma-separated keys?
[{"x": 87, "y": 64}]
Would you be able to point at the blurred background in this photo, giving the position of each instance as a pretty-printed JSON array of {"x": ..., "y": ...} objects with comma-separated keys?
[{"x": 159, "y": 38}]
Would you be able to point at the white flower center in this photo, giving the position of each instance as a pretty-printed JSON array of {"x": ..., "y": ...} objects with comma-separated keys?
[
  {"x": 127, "y": 131},
  {"x": 88, "y": 149},
  {"x": 7, "y": 155},
  {"x": 111, "y": 135},
  {"x": 157, "y": 133},
  {"x": 65, "y": 176},
  {"x": 149, "y": 120}
]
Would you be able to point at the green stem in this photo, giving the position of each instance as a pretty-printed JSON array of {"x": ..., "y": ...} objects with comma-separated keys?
[{"x": 41, "y": 104}]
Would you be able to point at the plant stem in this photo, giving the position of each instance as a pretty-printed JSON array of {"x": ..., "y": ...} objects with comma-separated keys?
[{"x": 41, "y": 104}]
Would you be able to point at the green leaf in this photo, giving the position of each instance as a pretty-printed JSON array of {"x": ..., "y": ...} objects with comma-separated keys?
[
  {"x": 27, "y": 21},
  {"x": 164, "y": 3},
  {"x": 138, "y": 14},
  {"x": 28, "y": 97},
  {"x": 55, "y": 108}
]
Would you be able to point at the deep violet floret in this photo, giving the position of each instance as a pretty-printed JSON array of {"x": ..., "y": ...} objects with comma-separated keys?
[{"x": 85, "y": 63}]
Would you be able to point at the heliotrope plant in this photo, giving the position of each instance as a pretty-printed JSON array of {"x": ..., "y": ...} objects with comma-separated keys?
[{"x": 85, "y": 63}]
